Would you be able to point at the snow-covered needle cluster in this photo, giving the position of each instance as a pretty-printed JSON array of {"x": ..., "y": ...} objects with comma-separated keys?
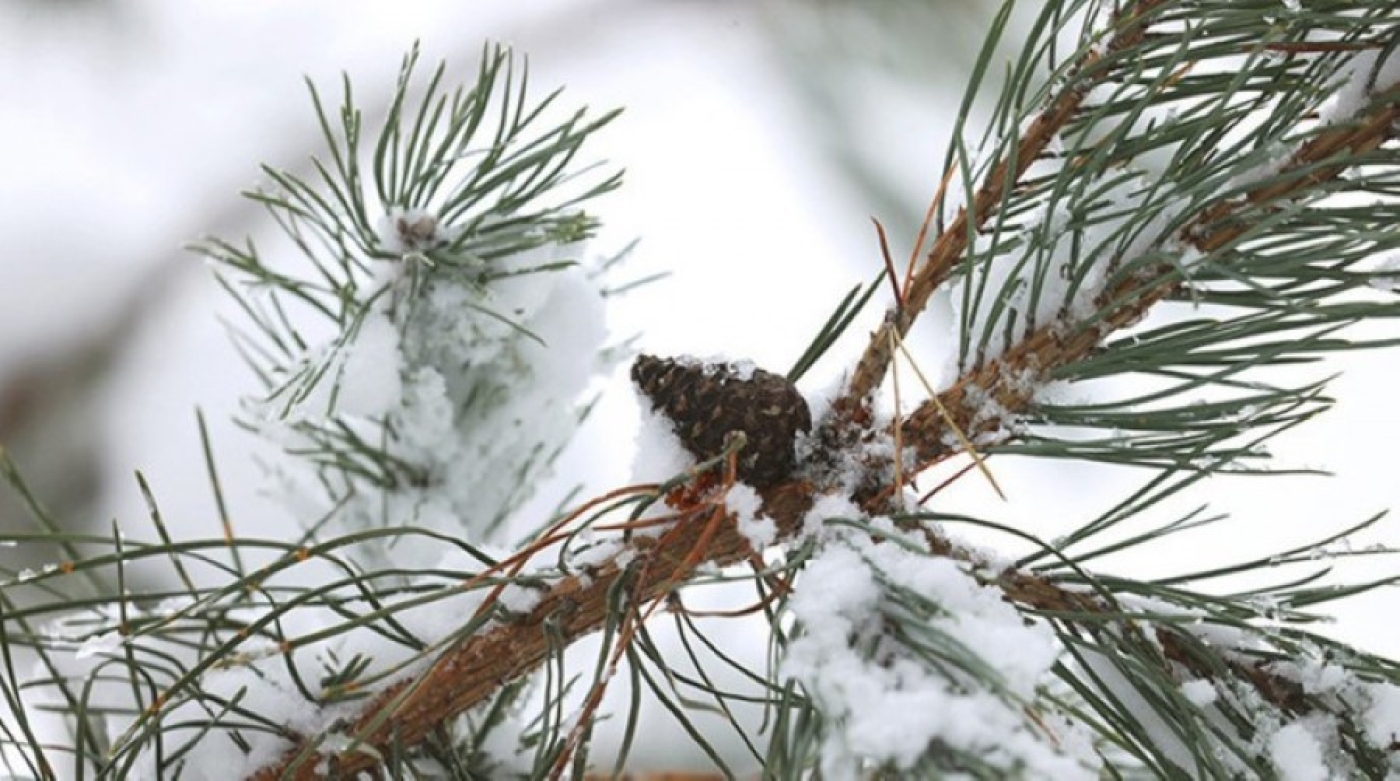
[
  {"x": 467, "y": 320},
  {"x": 426, "y": 326},
  {"x": 425, "y": 348},
  {"x": 445, "y": 403},
  {"x": 959, "y": 675}
]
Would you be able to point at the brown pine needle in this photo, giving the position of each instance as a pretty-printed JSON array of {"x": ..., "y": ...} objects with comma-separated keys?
[
  {"x": 898, "y": 492},
  {"x": 932, "y": 492},
  {"x": 889, "y": 264},
  {"x": 947, "y": 418},
  {"x": 923, "y": 227}
]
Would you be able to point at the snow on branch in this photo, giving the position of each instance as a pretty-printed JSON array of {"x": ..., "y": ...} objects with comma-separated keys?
[{"x": 1183, "y": 153}]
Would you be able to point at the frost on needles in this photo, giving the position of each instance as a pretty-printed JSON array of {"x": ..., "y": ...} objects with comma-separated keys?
[
  {"x": 424, "y": 344},
  {"x": 460, "y": 391},
  {"x": 468, "y": 317}
]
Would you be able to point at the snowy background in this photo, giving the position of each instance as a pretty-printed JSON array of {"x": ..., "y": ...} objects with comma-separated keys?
[{"x": 758, "y": 141}]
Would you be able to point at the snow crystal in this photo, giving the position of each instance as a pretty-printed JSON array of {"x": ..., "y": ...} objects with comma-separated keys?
[
  {"x": 1377, "y": 704},
  {"x": 658, "y": 455},
  {"x": 471, "y": 389},
  {"x": 1278, "y": 155},
  {"x": 102, "y": 646},
  {"x": 519, "y": 599},
  {"x": 1382, "y": 717},
  {"x": 1321, "y": 678},
  {"x": 502, "y": 396},
  {"x": 745, "y": 503},
  {"x": 825, "y": 507},
  {"x": 985, "y": 407},
  {"x": 1055, "y": 276},
  {"x": 1387, "y": 271},
  {"x": 1297, "y": 755},
  {"x": 983, "y": 618},
  {"x": 370, "y": 384},
  {"x": 588, "y": 552},
  {"x": 1216, "y": 634},
  {"x": 1362, "y": 77},
  {"x": 743, "y": 370},
  {"x": 1199, "y": 692},
  {"x": 27, "y": 574},
  {"x": 424, "y": 419},
  {"x": 267, "y": 691},
  {"x": 264, "y": 685},
  {"x": 836, "y": 584}
]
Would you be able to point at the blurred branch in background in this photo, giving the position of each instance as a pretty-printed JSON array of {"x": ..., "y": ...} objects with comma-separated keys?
[
  {"x": 49, "y": 408},
  {"x": 874, "y": 80}
]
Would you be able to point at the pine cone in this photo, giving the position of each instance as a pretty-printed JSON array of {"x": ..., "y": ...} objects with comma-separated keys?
[{"x": 705, "y": 402}]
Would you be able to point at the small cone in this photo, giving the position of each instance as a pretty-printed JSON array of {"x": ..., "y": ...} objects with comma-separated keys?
[{"x": 705, "y": 402}]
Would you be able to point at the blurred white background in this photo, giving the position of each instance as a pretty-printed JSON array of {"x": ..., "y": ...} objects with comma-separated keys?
[{"x": 758, "y": 138}]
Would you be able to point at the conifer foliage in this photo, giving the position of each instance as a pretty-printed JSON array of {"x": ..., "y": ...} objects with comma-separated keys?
[{"x": 1188, "y": 196}]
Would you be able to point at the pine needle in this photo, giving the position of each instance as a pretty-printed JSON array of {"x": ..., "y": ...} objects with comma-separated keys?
[{"x": 947, "y": 418}]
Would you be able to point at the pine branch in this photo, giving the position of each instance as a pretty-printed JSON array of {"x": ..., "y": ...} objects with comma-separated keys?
[
  {"x": 1042, "y": 351},
  {"x": 1230, "y": 228},
  {"x": 1125, "y": 304},
  {"x": 405, "y": 714},
  {"x": 952, "y": 243}
]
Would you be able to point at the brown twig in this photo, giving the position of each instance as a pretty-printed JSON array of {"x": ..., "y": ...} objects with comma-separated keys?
[
  {"x": 469, "y": 673},
  {"x": 405, "y": 714},
  {"x": 952, "y": 242},
  {"x": 1176, "y": 645},
  {"x": 889, "y": 263},
  {"x": 929, "y": 213},
  {"x": 1054, "y": 345},
  {"x": 712, "y": 514}
]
